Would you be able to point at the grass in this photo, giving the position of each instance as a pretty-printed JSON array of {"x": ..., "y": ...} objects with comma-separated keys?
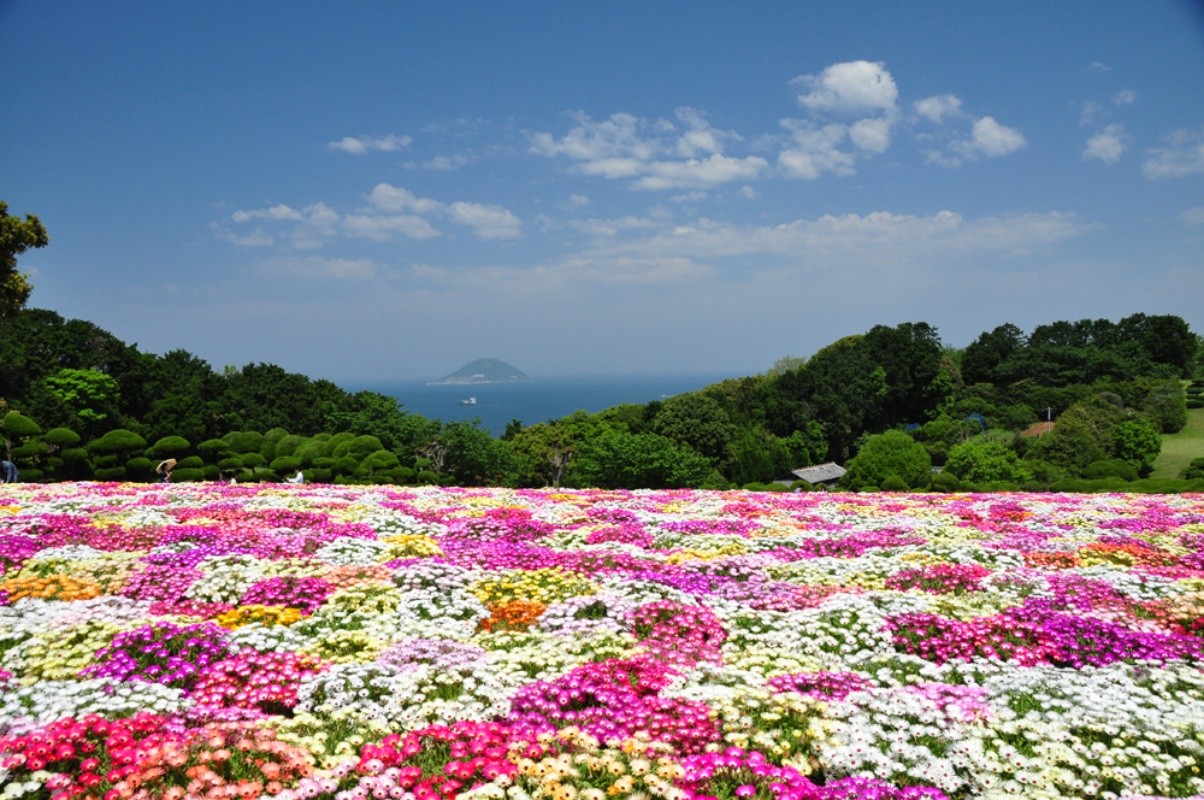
[{"x": 1178, "y": 449}]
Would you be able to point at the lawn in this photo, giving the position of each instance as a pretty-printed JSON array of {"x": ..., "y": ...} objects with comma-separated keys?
[
  {"x": 343, "y": 643},
  {"x": 1179, "y": 449}
]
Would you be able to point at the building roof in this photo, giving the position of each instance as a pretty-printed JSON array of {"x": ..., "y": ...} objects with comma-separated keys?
[{"x": 820, "y": 473}]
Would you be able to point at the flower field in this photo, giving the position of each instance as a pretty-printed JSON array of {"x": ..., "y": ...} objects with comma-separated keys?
[{"x": 219, "y": 641}]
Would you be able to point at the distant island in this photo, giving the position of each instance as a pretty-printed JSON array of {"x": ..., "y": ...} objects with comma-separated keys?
[{"x": 485, "y": 370}]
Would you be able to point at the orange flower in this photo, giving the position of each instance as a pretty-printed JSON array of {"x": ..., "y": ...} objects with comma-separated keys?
[
  {"x": 51, "y": 587},
  {"x": 513, "y": 615}
]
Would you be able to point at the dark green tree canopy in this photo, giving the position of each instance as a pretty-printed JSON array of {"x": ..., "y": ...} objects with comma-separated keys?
[{"x": 16, "y": 236}]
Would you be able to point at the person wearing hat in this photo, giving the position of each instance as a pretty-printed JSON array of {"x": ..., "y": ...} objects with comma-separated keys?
[{"x": 164, "y": 469}]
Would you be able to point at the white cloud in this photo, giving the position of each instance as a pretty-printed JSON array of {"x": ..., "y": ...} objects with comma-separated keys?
[
  {"x": 814, "y": 151},
  {"x": 275, "y": 213},
  {"x": 387, "y": 197},
  {"x": 443, "y": 163},
  {"x": 614, "y": 138},
  {"x": 605, "y": 228},
  {"x": 1098, "y": 68},
  {"x": 358, "y": 145},
  {"x": 699, "y": 137},
  {"x": 1107, "y": 146},
  {"x": 357, "y": 269},
  {"x": 578, "y": 200},
  {"x": 855, "y": 240},
  {"x": 625, "y": 147},
  {"x": 990, "y": 139},
  {"x": 1193, "y": 216},
  {"x": 1183, "y": 156},
  {"x": 384, "y": 228},
  {"x": 487, "y": 221},
  {"x": 693, "y": 173},
  {"x": 938, "y": 107},
  {"x": 871, "y": 134},
  {"x": 1125, "y": 97},
  {"x": 852, "y": 87}
]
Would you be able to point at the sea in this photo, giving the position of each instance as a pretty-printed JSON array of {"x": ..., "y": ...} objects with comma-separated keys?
[{"x": 534, "y": 400}]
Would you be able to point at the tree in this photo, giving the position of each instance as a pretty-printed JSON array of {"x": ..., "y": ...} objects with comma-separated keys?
[
  {"x": 846, "y": 389},
  {"x": 621, "y": 460},
  {"x": 16, "y": 236},
  {"x": 910, "y": 355},
  {"x": 695, "y": 421},
  {"x": 90, "y": 397},
  {"x": 893, "y": 453},
  {"x": 1137, "y": 442},
  {"x": 986, "y": 462}
]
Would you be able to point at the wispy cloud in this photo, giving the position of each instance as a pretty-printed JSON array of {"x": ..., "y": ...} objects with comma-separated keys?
[
  {"x": 359, "y": 145},
  {"x": 486, "y": 221},
  {"x": 1108, "y": 145},
  {"x": 1193, "y": 216},
  {"x": 392, "y": 212},
  {"x": 938, "y": 107},
  {"x": 1183, "y": 155}
]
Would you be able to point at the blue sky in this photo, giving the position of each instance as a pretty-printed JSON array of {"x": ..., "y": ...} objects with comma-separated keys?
[{"x": 372, "y": 191}]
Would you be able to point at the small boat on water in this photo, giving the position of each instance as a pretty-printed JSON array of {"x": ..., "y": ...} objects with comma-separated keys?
[{"x": 471, "y": 401}]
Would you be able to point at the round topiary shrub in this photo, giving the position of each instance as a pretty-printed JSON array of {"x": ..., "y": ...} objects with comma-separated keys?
[
  {"x": 61, "y": 437},
  {"x": 168, "y": 447},
  {"x": 140, "y": 469},
  {"x": 110, "y": 474},
  {"x": 18, "y": 426},
  {"x": 244, "y": 441},
  {"x": 944, "y": 482},
  {"x": 317, "y": 475},
  {"x": 285, "y": 465},
  {"x": 893, "y": 483},
  {"x": 118, "y": 440},
  {"x": 187, "y": 474},
  {"x": 192, "y": 462},
  {"x": 213, "y": 450},
  {"x": 252, "y": 460},
  {"x": 1110, "y": 468}
]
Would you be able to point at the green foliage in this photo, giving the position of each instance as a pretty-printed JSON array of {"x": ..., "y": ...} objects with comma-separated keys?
[
  {"x": 110, "y": 473},
  {"x": 1137, "y": 442},
  {"x": 1194, "y": 470},
  {"x": 470, "y": 455},
  {"x": 117, "y": 442},
  {"x": 213, "y": 450},
  {"x": 15, "y": 425},
  {"x": 285, "y": 465},
  {"x": 169, "y": 447},
  {"x": 1110, "y": 468},
  {"x": 141, "y": 468},
  {"x": 981, "y": 462},
  {"x": 696, "y": 421},
  {"x": 944, "y": 482},
  {"x": 893, "y": 453},
  {"x": 16, "y": 236},
  {"x": 244, "y": 441},
  {"x": 90, "y": 396},
  {"x": 617, "y": 459},
  {"x": 1166, "y": 406},
  {"x": 755, "y": 454},
  {"x": 251, "y": 460},
  {"x": 271, "y": 440},
  {"x": 1081, "y": 435},
  {"x": 893, "y": 483},
  {"x": 59, "y": 438}
]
